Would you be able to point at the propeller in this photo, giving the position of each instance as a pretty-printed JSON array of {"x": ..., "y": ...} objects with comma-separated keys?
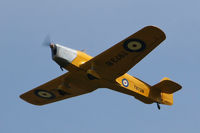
[{"x": 49, "y": 43}]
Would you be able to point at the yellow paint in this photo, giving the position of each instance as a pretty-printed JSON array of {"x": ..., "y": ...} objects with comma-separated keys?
[
  {"x": 167, "y": 98},
  {"x": 110, "y": 69},
  {"x": 135, "y": 85},
  {"x": 81, "y": 58},
  {"x": 144, "y": 89}
]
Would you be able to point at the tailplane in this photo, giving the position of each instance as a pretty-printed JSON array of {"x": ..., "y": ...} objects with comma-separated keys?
[{"x": 162, "y": 92}]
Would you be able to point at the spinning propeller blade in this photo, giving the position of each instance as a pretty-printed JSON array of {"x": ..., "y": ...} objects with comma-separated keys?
[{"x": 47, "y": 41}]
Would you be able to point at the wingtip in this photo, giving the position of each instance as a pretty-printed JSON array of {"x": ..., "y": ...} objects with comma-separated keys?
[
  {"x": 23, "y": 97},
  {"x": 152, "y": 27}
]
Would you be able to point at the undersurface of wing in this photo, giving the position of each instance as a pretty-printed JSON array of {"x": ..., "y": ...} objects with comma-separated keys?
[
  {"x": 120, "y": 58},
  {"x": 52, "y": 91}
]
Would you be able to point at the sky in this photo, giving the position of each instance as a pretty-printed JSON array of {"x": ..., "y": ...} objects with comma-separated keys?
[{"x": 96, "y": 25}]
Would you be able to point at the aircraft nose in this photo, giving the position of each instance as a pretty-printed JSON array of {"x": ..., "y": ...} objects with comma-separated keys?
[
  {"x": 52, "y": 45},
  {"x": 53, "y": 49},
  {"x": 63, "y": 55}
]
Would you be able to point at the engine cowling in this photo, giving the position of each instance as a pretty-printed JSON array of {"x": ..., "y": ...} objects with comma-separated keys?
[{"x": 63, "y": 56}]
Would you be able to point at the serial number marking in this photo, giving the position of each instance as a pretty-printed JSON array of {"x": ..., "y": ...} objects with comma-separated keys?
[
  {"x": 139, "y": 89},
  {"x": 116, "y": 58}
]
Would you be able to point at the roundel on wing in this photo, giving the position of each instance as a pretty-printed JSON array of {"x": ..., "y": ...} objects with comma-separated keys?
[
  {"x": 125, "y": 82},
  {"x": 134, "y": 45},
  {"x": 44, "y": 94}
]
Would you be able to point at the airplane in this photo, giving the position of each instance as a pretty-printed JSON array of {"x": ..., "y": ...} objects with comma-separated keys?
[{"x": 106, "y": 70}]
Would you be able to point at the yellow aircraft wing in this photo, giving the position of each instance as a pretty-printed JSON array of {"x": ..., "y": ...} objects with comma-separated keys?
[
  {"x": 52, "y": 91},
  {"x": 120, "y": 58}
]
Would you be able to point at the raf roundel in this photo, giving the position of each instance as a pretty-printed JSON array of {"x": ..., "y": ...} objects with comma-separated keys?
[
  {"x": 134, "y": 45},
  {"x": 125, "y": 82},
  {"x": 44, "y": 94}
]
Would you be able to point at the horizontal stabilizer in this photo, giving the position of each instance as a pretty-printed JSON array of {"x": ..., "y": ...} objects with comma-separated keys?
[{"x": 167, "y": 86}]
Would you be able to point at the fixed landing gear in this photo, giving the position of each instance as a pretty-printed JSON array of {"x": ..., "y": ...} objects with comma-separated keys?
[
  {"x": 61, "y": 68},
  {"x": 158, "y": 105}
]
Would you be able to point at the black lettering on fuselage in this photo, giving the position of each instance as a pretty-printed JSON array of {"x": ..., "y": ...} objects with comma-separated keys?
[{"x": 138, "y": 89}]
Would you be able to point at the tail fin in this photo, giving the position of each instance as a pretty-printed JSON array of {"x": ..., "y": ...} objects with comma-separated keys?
[{"x": 165, "y": 88}]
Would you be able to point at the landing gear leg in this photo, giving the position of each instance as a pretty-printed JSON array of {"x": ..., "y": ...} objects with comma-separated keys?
[
  {"x": 158, "y": 105},
  {"x": 61, "y": 68}
]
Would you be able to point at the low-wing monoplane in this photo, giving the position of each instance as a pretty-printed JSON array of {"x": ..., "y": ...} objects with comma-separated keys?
[{"x": 106, "y": 70}]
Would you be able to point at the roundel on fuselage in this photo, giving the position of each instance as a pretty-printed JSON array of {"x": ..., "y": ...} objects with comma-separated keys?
[{"x": 125, "y": 82}]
